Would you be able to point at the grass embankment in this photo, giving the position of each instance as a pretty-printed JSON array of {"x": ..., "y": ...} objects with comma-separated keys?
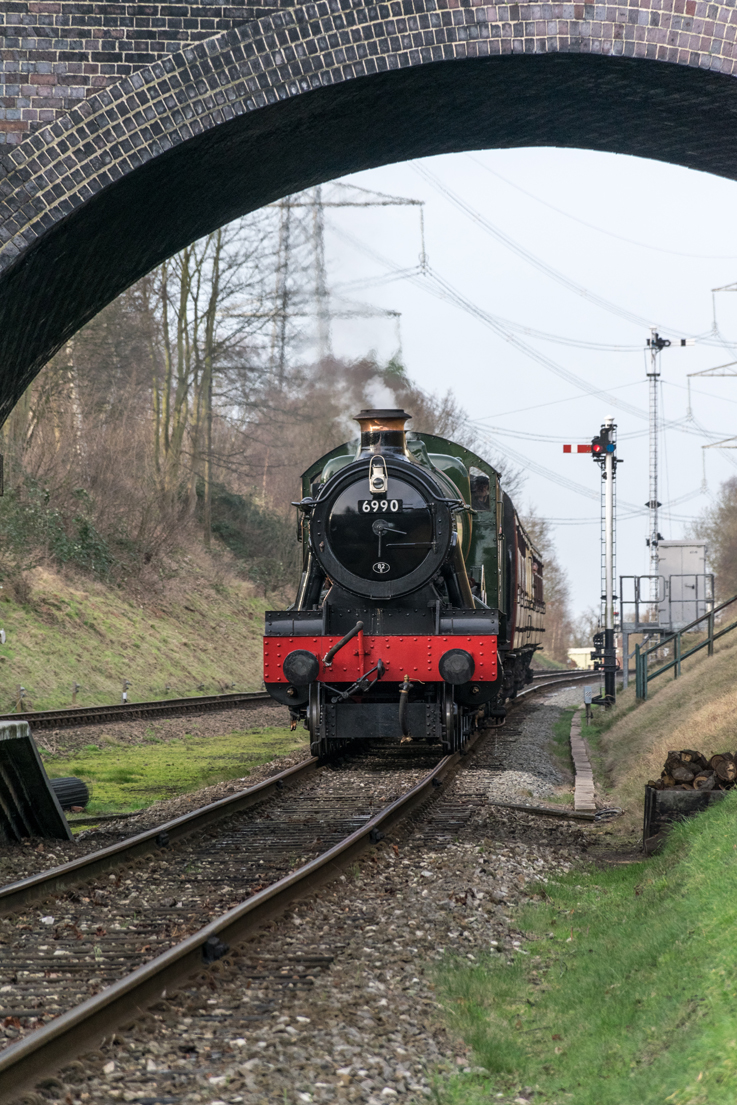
[
  {"x": 629, "y": 744},
  {"x": 200, "y": 634},
  {"x": 628, "y": 995},
  {"x": 541, "y": 662},
  {"x": 125, "y": 777}
]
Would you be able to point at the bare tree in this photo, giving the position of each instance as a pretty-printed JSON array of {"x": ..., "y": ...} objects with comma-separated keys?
[{"x": 718, "y": 527}]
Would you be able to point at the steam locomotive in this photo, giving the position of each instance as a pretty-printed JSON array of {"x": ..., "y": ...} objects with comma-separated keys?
[{"x": 420, "y": 603}]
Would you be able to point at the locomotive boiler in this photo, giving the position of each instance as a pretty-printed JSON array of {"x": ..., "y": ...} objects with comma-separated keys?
[{"x": 420, "y": 603}]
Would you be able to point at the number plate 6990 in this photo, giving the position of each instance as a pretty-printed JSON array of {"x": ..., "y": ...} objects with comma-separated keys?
[{"x": 379, "y": 506}]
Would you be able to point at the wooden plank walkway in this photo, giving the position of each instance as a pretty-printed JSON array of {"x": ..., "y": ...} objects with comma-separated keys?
[{"x": 583, "y": 797}]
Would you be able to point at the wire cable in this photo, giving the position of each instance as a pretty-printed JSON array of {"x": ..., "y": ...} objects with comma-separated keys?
[
  {"x": 600, "y": 229},
  {"x": 436, "y": 285},
  {"x": 530, "y": 258}
]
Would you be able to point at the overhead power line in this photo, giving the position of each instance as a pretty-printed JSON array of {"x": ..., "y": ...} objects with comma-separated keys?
[
  {"x": 436, "y": 285},
  {"x": 430, "y": 281},
  {"x": 600, "y": 229},
  {"x": 632, "y": 510},
  {"x": 526, "y": 255}
]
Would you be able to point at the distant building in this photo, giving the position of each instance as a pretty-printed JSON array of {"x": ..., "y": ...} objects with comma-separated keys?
[{"x": 581, "y": 658}]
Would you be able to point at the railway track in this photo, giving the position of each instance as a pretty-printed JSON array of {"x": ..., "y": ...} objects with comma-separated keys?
[
  {"x": 94, "y": 956},
  {"x": 73, "y": 717}
]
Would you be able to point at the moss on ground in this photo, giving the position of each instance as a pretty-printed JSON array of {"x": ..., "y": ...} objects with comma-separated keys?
[{"x": 125, "y": 777}]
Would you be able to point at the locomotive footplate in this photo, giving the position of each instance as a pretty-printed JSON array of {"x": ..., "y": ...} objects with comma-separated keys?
[{"x": 418, "y": 657}]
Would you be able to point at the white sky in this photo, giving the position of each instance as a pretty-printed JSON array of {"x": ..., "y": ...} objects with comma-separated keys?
[{"x": 683, "y": 243}]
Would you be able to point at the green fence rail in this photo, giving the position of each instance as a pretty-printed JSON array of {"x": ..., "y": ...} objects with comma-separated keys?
[{"x": 643, "y": 676}]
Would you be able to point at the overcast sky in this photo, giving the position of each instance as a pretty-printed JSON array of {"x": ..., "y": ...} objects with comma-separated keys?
[{"x": 587, "y": 247}]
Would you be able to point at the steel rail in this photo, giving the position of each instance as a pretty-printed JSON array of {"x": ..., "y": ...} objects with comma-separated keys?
[
  {"x": 562, "y": 673},
  {"x": 17, "y": 895},
  {"x": 73, "y": 716},
  {"x": 570, "y": 676},
  {"x": 47, "y": 1048}
]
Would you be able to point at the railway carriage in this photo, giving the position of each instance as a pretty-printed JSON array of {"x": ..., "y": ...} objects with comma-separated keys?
[{"x": 420, "y": 603}]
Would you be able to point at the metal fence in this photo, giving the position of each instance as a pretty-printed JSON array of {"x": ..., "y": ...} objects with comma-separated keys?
[{"x": 643, "y": 676}]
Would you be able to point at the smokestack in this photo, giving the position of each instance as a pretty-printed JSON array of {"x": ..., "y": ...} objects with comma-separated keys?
[{"x": 383, "y": 431}]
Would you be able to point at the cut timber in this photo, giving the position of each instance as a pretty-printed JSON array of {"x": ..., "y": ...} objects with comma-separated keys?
[
  {"x": 28, "y": 805},
  {"x": 583, "y": 797},
  {"x": 689, "y": 770},
  {"x": 726, "y": 770}
]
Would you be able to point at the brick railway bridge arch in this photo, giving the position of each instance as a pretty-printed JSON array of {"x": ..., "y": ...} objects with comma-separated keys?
[{"x": 127, "y": 130}]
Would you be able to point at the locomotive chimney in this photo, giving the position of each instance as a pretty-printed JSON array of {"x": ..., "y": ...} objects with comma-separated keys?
[{"x": 383, "y": 431}]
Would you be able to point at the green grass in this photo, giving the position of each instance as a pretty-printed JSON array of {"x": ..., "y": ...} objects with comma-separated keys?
[
  {"x": 129, "y": 777},
  {"x": 629, "y": 993},
  {"x": 204, "y": 638},
  {"x": 546, "y": 662}
]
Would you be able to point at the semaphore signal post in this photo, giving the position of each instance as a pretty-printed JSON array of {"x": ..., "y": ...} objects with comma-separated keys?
[{"x": 603, "y": 449}]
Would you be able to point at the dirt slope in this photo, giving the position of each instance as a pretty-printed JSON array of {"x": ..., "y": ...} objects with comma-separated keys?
[{"x": 198, "y": 632}]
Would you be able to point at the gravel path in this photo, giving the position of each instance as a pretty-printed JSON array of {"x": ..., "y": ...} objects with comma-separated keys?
[
  {"x": 529, "y": 771},
  {"x": 335, "y": 1002}
]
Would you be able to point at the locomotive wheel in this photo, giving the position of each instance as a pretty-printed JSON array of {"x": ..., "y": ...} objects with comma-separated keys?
[
  {"x": 318, "y": 743},
  {"x": 451, "y": 724}
]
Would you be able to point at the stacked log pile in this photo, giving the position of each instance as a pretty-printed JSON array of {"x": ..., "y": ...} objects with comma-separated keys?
[{"x": 689, "y": 770}]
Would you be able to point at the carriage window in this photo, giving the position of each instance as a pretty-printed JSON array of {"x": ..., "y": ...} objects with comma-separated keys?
[{"x": 480, "y": 490}]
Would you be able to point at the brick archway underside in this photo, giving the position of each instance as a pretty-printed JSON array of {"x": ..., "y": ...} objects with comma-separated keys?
[{"x": 104, "y": 192}]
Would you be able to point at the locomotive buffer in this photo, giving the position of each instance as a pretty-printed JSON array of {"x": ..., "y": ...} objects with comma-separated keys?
[{"x": 603, "y": 450}]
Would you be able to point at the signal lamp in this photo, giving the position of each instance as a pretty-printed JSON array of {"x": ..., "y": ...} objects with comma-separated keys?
[{"x": 600, "y": 446}]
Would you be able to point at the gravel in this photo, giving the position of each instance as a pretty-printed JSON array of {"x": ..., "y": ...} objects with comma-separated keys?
[
  {"x": 529, "y": 771},
  {"x": 336, "y": 1001}
]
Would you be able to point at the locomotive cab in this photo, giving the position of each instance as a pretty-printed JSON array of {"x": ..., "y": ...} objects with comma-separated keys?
[{"x": 407, "y": 618}]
